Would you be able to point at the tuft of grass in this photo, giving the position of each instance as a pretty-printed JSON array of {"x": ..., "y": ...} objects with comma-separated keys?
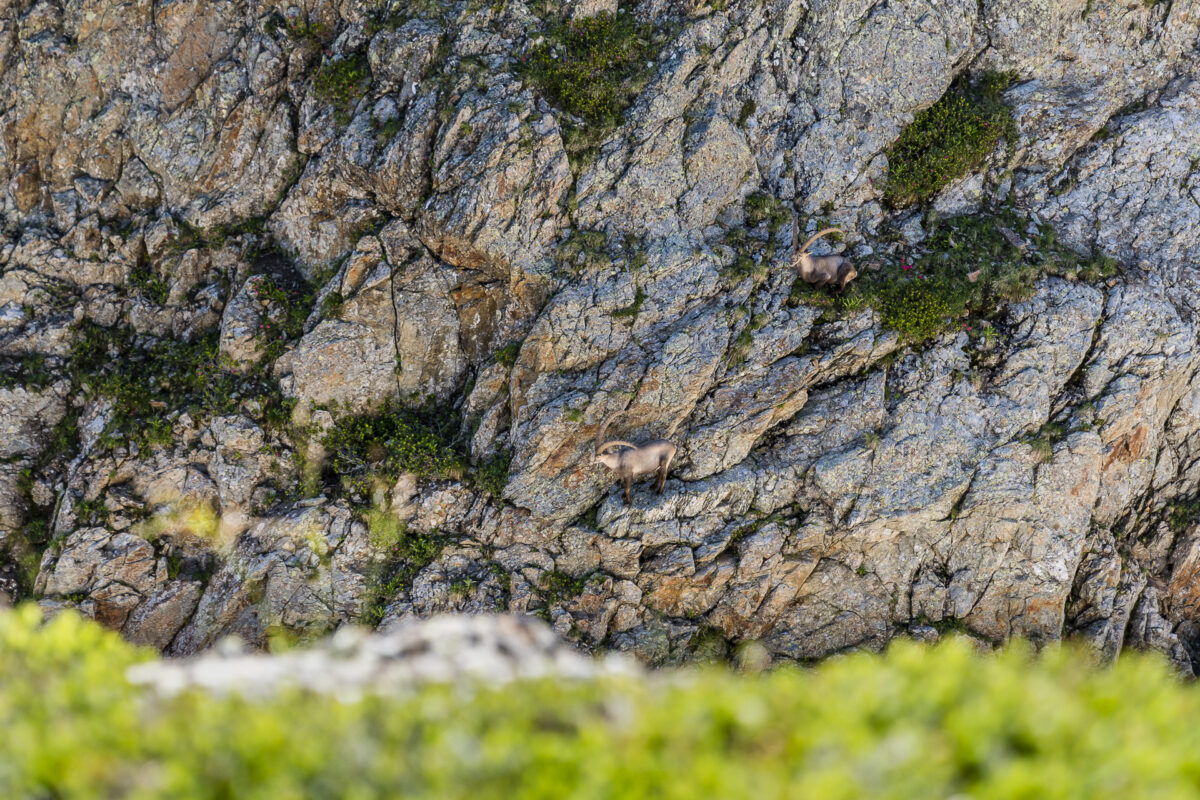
[
  {"x": 30, "y": 371},
  {"x": 146, "y": 280},
  {"x": 342, "y": 82},
  {"x": 593, "y": 68},
  {"x": 556, "y": 587},
  {"x": 750, "y": 259},
  {"x": 917, "y": 310},
  {"x": 507, "y": 355},
  {"x": 1182, "y": 515},
  {"x": 366, "y": 447},
  {"x": 1043, "y": 442},
  {"x": 764, "y": 207},
  {"x": 746, "y": 112},
  {"x": 634, "y": 308},
  {"x": 491, "y": 476},
  {"x": 948, "y": 140},
  {"x": 331, "y": 306},
  {"x": 583, "y": 250},
  {"x": 388, "y": 130},
  {"x": 744, "y": 343},
  {"x": 311, "y": 33},
  {"x": 290, "y": 300}
]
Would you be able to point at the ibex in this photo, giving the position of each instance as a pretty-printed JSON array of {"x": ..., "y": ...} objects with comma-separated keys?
[
  {"x": 632, "y": 460},
  {"x": 821, "y": 270}
]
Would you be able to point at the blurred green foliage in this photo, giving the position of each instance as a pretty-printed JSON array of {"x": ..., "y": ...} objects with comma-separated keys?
[{"x": 914, "y": 723}]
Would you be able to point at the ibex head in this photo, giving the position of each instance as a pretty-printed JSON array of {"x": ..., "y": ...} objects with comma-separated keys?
[
  {"x": 831, "y": 270},
  {"x": 605, "y": 449}
]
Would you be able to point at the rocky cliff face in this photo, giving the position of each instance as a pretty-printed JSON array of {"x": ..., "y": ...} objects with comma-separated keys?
[{"x": 232, "y": 230}]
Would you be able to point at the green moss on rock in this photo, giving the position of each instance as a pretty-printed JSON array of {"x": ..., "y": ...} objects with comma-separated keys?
[{"x": 948, "y": 140}]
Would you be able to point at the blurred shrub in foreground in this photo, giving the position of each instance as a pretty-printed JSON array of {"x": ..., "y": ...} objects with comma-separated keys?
[{"x": 914, "y": 723}]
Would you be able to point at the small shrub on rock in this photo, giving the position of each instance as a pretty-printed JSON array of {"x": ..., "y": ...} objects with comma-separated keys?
[
  {"x": 342, "y": 82},
  {"x": 948, "y": 140},
  {"x": 491, "y": 476},
  {"x": 593, "y": 68},
  {"x": 915, "y": 309},
  {"x": 367, "y": 446}
]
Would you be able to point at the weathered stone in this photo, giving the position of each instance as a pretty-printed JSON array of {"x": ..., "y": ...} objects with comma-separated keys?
[
  {"x": 281, "y": 572},
  {"x": 242, "y": 337},
  {"x": 156, "y": 621},
  {"x": 499, "y": 180}
]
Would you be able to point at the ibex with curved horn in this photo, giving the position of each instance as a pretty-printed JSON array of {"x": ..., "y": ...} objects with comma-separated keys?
[
  {"x": 631, "y": 461},
  {"x": 832, "y": 270}
]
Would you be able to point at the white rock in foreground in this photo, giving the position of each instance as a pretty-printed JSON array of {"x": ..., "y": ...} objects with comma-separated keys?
[{"x": 494, "y": 649}]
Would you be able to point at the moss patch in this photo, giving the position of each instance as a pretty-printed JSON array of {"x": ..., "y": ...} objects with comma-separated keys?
[
  {"x": 593, "y": 68},
  {"x": 948, "y": 140}
]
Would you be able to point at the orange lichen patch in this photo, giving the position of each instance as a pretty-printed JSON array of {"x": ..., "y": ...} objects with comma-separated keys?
[
  {"x": 228, "y": 147},
  {"x": 1038, "y": 607},
  {"x": 1182, "y": 596},
  {"x": 478, "y": 312},
  {"x": 1079, "y": 488},
  {"x": 1128, "y": 448},
  {"x": 562, "y": 457},
  {"x": 452, "y": 249},
  {"x": 690, "y": 595},
  {"x": 356, "y": 272}
]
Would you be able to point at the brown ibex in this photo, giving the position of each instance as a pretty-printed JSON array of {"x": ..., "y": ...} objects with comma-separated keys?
[
  {"x": 632, "y": 460},
  {"x": 832, "y": 270}
]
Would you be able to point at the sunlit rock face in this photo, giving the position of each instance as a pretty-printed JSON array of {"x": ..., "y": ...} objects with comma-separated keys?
[{"x": 231, "y": 227}]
